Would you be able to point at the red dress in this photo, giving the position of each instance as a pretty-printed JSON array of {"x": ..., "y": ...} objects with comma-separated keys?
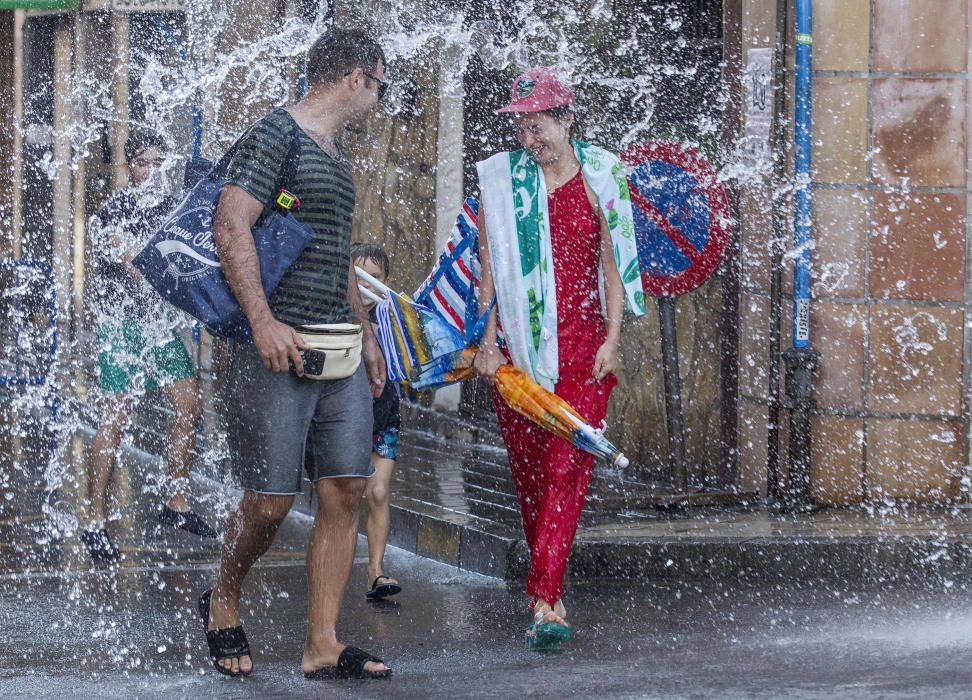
[{"x": 550, "y": 474}]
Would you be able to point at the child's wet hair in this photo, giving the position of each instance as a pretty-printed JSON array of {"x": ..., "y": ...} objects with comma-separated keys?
[
  {"x": 373, "y": 252},
  {"x": 141, "y": 139}
]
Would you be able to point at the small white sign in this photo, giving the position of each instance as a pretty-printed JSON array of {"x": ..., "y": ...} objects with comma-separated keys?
[
  {"x": 802, "y": 319},
  {"x": 758, "y": 80}
]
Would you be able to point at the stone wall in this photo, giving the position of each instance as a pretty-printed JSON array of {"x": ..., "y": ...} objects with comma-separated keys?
[
  {"x": 637, "y": 412},
  {"x": 394, "y": 163}
]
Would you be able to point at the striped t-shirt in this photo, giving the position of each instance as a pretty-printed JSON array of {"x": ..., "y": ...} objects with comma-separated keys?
[{"x": 314, "y": 289}]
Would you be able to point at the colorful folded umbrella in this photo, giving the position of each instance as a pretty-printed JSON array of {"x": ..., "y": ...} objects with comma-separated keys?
[{"x": 553, "y": 414}]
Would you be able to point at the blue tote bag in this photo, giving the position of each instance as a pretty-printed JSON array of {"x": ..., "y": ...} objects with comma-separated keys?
[{"x": 180, "y": 261}]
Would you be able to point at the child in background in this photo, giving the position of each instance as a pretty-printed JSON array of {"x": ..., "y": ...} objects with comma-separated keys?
[{"x": 373, "y": 260}]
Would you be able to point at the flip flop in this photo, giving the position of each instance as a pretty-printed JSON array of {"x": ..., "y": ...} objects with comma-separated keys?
[
  {"x": 350, "y": 665},
  {"x": 225, "y": 643},
  {"x": 546, "y": 636},
  {"x": 188, "y": 521},
  {"x": 384, "y": 590}
]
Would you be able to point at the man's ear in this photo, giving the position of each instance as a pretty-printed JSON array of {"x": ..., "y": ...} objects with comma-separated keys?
[{"x": 354, "y": 76}]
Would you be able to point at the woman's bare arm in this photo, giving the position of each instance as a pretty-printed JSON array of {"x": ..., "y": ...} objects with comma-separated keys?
[
  {"x": 613, "y": 288},
  {"x": 489, "y": 357},
  {"x": 607, "y": 359}
]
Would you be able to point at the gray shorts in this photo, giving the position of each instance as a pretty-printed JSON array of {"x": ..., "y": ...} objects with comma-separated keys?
[{"x": 278, "y": 423}]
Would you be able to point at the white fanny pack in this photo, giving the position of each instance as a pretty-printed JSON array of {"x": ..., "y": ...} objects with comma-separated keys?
[{"x": 341, "y": 345}]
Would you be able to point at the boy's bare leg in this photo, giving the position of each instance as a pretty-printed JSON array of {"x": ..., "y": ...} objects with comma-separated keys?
[
  {"x": 250, "y": 530},
  {"x": 330, "y": 555},
  {"x": 379, "y": 514}
]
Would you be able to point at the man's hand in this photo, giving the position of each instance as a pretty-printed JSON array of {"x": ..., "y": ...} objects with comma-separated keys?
[
  {"x": 488, "y": 359},
  {"x": 374, "y": 361},
  {"x": 277, "y": 343}
]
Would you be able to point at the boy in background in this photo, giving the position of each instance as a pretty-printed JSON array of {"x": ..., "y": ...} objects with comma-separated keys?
[{"x": 384, "y": 451}]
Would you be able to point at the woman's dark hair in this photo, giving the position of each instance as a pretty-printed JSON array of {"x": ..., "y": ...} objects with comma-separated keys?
[
  {"x": 339, "y": 51},
  {"x": 559, "y": 113},
  {"x": 140, "y": 139},
  {"x": 372, "y": 251}
]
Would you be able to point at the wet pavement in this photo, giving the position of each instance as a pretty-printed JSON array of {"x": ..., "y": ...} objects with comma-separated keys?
[
  {"x": 135, "y": 633},
  {"x": 644, "y": 627}
]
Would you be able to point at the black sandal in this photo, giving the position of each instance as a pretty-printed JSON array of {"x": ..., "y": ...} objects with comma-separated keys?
[
  {"x": 225, "y": 643},
  {"x": 350, "y": 665},
  {"x": 384, "y": 590}
]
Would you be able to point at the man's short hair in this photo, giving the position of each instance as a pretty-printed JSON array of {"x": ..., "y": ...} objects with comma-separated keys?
[
  {"x": 140, "y": 139},
  {"x": 339, "y": 51}
]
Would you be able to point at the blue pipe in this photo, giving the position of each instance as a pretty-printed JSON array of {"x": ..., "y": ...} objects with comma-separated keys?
[
  {"x": 803, "y": 126},
  {"x": 41, "y": 379}
]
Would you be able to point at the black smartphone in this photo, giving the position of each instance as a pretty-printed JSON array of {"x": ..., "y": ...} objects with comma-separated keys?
[{"x": 313, "y": 361}]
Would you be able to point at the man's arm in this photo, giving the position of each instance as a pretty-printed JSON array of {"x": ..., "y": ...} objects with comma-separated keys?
[
  {"x": 373, "y": 359},
  {"x": 236, "y": 213}
]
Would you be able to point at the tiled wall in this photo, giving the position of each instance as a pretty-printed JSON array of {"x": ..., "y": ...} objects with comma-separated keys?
[{"x": 890, "y": 172}]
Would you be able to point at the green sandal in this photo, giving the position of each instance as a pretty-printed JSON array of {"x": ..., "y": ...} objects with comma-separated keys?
[{"x": 546, "y": 635}]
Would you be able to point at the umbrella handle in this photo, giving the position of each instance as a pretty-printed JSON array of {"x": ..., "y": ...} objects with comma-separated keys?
[
  {"x": 372, "y": 280},
  {"x": 370, "y": 294}
]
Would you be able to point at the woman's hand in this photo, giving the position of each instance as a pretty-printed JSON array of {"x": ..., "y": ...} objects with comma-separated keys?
[
  {"x": 606, "y": 359},
  {"x": 488, "y": 359}
]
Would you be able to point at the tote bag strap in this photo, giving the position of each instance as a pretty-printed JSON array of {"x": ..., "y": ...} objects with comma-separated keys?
[{"x": 288, "y": 170}]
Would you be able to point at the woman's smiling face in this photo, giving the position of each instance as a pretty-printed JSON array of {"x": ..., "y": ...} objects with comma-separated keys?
[{"x": 546, "y": 137}]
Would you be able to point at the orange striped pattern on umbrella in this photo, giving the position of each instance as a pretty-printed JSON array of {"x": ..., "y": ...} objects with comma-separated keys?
[
  {"x": 553, "y": 414},
  {"x": 532, "y": 401}
]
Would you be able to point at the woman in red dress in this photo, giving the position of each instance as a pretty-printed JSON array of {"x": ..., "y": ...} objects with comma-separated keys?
[{"x": 550, "y": 474}]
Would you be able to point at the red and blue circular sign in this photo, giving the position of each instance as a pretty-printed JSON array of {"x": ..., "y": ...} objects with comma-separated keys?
[{"x": 681, "y": 216}]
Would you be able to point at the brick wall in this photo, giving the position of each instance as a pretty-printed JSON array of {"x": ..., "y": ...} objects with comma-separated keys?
[{"x": 890, "y": 183}]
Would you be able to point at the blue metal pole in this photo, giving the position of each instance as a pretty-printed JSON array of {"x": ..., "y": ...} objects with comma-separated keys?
[
  {"x": 801, "y": 360},
  {"x": 802, "y": 218}
]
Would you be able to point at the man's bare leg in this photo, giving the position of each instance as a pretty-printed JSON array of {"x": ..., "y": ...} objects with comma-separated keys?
[
  {"x": 330, "y": 555},
  {"x": 250, "y": 530}
]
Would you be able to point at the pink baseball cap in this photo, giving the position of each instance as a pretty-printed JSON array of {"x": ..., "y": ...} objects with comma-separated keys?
[{"x": 538, "y": 90}]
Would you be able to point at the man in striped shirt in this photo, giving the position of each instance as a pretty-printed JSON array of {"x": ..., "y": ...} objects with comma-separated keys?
[{"x": 279, "y": 422}]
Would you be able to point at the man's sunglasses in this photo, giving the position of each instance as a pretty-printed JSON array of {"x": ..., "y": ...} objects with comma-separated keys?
[{"x": 382, "y": 84}]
